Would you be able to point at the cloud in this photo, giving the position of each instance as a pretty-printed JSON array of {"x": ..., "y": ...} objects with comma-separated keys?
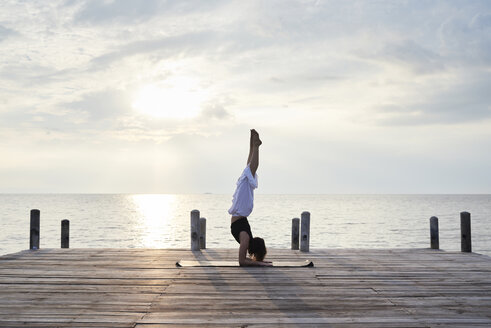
[
  {"x": 413, "y": 56},
  {"x": 121, "y": 10},
  {"x": 6, "y": 32},
  {"x": 129, "y": 11},
  {"x": 465, "y": 38},
  {"x": 317, "y": 72},
  {"x": 173, "y": 46},
  {"x": 481, "y": 22},
  {"x": 215, "y": 111},
  {"x": 95, "y": 113},
  {"x": 465, "y": 101},
  {"x": 31, "y": 73},
  {"x": 103, "y": 105}
]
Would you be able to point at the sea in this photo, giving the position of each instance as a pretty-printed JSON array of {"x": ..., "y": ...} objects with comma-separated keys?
[{"x": 163, "y": 220}]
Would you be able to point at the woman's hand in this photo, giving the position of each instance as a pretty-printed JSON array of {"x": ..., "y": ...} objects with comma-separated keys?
[{"x": 251, "y": 262}]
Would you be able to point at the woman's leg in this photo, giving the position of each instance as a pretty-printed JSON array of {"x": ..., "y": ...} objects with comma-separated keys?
[
  {"x": 250, "y": 147},
  {"x": 253, "y": 161}
]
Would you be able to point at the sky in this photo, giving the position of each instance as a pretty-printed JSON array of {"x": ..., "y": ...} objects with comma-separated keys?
[{"x": 153, "y": 96}]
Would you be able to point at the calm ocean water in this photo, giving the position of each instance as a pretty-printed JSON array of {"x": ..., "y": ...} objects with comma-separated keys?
[{"x": 162, "y": 221}]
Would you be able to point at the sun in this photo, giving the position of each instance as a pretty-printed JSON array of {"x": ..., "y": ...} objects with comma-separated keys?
[{"x": 176, "y": 98}]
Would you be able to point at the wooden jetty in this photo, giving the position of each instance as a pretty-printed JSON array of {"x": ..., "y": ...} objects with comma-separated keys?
[{"x": 142, "y": 288}]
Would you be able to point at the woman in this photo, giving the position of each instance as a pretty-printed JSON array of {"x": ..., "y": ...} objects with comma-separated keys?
[{"x": 242, "y": 204}]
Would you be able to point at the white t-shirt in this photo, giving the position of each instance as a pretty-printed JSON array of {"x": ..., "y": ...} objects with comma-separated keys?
[{"x": 243, "y": 200}]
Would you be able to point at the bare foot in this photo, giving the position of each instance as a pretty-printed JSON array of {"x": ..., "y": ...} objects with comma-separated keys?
[{"x": 255, "y": 138}]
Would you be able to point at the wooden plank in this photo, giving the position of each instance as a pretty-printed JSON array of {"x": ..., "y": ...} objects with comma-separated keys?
[{"x": 142, "y": 288}]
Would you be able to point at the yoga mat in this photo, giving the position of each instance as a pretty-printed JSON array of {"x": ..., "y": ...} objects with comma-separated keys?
[{"x": 276, "y": 264}]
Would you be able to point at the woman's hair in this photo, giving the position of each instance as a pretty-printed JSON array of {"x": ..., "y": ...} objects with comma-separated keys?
[{"x": 257, "y": 248}]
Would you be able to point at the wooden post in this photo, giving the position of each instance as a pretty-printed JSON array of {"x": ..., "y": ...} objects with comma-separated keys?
[
  {"x": 295, "y": 232},
  {"x": 65, "y": 234},
  {"x": 195, "y": 230},
  {"x": 465, "y": 232},
  {"x": 434, "y": 238},
  {"x": 34, "y": 235},
  {"x": 202, "y": 235},
  {"x": 305, "y": 231}
]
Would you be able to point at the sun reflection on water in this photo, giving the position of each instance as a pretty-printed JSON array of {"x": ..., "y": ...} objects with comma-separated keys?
[{"x": 156, "y": 213}]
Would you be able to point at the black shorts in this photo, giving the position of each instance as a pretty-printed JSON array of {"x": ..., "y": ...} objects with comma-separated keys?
[{"x": 240, "y": 225}]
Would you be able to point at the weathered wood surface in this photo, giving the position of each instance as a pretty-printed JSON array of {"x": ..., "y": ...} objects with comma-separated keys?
[
  {"x": 142, "y": 288},
  {"x": 295, "y": 233}
]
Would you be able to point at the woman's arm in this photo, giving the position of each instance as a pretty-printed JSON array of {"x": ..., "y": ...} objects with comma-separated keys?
[
  {"x": 250, "y": 262},
  {"x": 244, "y": 245}
]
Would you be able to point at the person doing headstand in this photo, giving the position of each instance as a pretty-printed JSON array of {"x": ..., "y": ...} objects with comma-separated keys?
[{"x": 242, "y": 204}]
